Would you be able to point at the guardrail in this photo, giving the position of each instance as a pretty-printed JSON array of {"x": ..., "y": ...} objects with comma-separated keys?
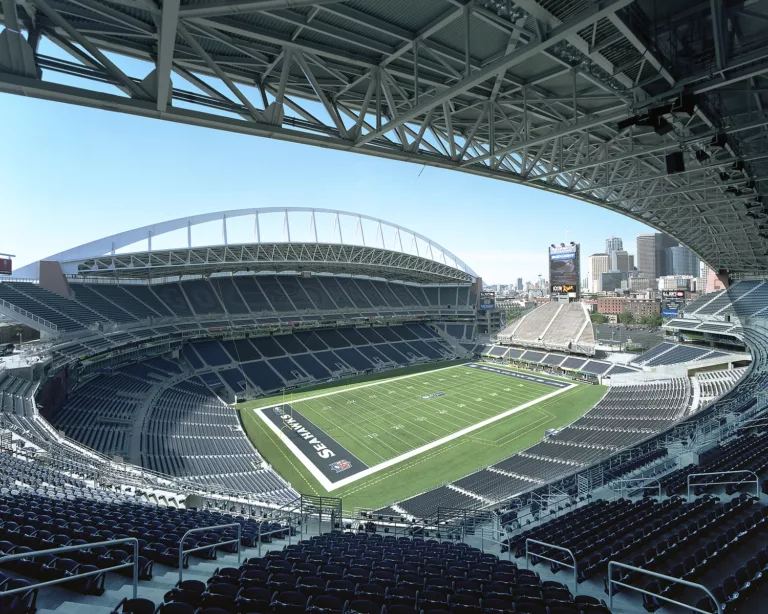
[
  {"x": 261, "y": 534},
  {"x": 611, "y": 582},
  {"x": 29, "y": 316},
  {"x": 756, "y": 481},
  {"x": 622, "y": 481},
  {"x": 182, "y": 552},
  {"x": 111, "y": 542},
  {"x": 573, "y": 558}
]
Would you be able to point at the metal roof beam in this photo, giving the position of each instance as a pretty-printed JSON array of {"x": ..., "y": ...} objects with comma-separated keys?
[
  {"x": 169, "y": 21},
  {"x": 233, "y": 7},
  {"x": 688, "y": 189},
  {"x": 518, "y": 56},
  {"x": 660, "y": 147},
  {"x": 135, "y": 89},
  {"x": 711, "y": 167}
]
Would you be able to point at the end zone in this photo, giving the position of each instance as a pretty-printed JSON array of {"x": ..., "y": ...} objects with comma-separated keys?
[{"x": 322, "y": 455}]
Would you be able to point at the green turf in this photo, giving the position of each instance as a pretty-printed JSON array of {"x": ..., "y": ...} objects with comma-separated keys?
[{"x": 381, "y": 421}]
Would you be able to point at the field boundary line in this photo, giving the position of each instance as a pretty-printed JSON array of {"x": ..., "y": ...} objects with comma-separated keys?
[
  {"x": 331, "y": 486},
  {"x": 376, "y": 383}
]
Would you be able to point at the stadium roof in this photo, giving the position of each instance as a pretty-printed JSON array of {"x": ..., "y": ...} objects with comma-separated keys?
[
  {"x": 580, "y": 98},
  {"x": 288, "y": 239}
]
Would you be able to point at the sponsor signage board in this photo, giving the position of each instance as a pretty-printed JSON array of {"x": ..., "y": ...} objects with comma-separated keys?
[{"x": 670, "y": 313}]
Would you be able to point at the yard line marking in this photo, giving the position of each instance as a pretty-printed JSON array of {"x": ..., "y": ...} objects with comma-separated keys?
[
  {"x": 329, "y": 486},
  {"x": 376, "y": 383}
]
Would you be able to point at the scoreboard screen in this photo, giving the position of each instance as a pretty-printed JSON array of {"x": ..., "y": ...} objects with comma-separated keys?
[
  {"x": 487, "y": 300},
  {"x": 6, "y": 266},
  {"x": 565, "y": 270}
]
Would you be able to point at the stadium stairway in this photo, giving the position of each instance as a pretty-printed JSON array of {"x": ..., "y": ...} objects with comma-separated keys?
[
  {"x": 459, "y": 350},
  {"x": 59, "y": 600},
  {"x": 552, "y": 321},
  {"x": 140, "y": 416}
]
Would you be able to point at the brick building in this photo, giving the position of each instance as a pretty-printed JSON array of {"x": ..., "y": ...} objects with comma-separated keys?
[{"x": 638, "y": 307}]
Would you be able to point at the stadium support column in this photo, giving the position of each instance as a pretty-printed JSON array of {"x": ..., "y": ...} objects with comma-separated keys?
[
  {"x": 722, "y": 276},
  {"x": 16, "y": 54}
]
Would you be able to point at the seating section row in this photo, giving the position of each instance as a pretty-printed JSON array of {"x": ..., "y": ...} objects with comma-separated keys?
[
  {"x": 365, "y": 573},
  {"x": 31, "y": 522},
  {"x": 234, "y": 296},
  {"x": 746, "y": 298},
  {"x": 553, "y": 361},
  {"x": 624, "y": 417},
  {"x": 102, "y": 412},
  {"x": 746, "y": 454},
  {"x": 270, "y": 363},
  {"x": 714, "y": 384},
  {"x": 154, "y": 414},
  {"x": 676, "y": 538},
  {"x": 672, "y": 354},
  {"x": 189, "y": 432},
  {"x": 562, "y": 326},
  {"x": 460, "y": 332}
]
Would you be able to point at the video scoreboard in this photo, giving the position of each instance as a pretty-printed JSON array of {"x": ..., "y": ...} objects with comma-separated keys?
[
  {"x": 6, "y": 266},
  {"x": 564, "y": 270},
  {"x": 487, "y": 300}
]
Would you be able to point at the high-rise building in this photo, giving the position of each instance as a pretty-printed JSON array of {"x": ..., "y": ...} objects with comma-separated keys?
[
  {"x": 663, "y": 243},
  {"x": 610, "y": 281},
  {"x": 679, "y": 260},
  {"x": 519, "y": 284},
  {"x": 646, "y": 255},
  {"x": 613, "y": 244},
  {"x": 621, "y": 260},
  {"x": 598, "y": 264},
  {"x": 651, "y": 254}
]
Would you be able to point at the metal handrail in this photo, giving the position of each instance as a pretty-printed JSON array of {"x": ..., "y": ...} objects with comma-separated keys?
[
  {"x": 622, "y": 481},
  {"x": 611, "y": 582},
  {"x": 182, "y": 552},
  {"x": 756, "y": 480},
  {"x": 111, "y": 542},
  {"x": 574, "y": 566},
  {"x": 30, "y": 316},
  {"x": 272, "y": 532}
]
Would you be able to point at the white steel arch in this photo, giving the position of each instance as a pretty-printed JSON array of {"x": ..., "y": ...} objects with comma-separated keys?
[{"x": 400, "y": 239}]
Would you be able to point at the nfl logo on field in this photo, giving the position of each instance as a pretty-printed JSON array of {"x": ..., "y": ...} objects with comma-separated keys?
[{"x": 341, "y": 465}]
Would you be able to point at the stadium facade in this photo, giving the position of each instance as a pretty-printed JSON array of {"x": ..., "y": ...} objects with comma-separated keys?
[{"x": 136, "y": 337}]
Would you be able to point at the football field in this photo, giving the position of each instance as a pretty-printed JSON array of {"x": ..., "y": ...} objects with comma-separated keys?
[{"x": 364, "y": 440}]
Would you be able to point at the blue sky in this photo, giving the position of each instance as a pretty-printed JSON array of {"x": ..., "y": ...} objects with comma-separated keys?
[{"x": 72, "y": 174}]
